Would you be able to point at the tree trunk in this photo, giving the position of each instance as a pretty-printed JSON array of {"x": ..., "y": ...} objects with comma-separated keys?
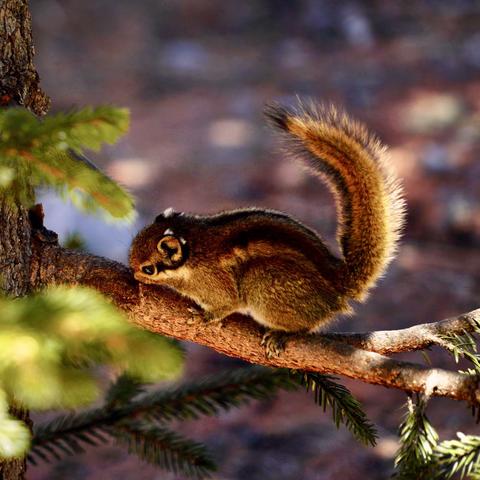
[
  {"x": 15, "y": 254},
  {"x": 19, "y": 81},
  {"x": 19, "y": 85}
]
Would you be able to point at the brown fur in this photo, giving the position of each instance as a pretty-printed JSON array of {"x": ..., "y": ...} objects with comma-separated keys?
[{"x": 271, "y": 266}]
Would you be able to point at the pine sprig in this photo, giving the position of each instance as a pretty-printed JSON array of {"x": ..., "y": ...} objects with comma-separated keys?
[
  {"x": 49, "y": 339},
  {"x": 463, "y": 345},
  {"x": 86, "y": 128},
  {"x": 59, "y": 437},
  {"x": 205, "y": 397},
  {"x": 79, "y": 129},
  {"x": 123, "y": 391},
  {"x": 346, "y": 409},
  {"x": 460, "y": 456},
  {"x": 75, "y": 241},
  {"x": 216, "y": 393},
  {"x": 418, "y": 440},
  {"x": 49, "y": 153},
  {"x": 126, "y": 402},
  {"x": 165, "y": 449}
]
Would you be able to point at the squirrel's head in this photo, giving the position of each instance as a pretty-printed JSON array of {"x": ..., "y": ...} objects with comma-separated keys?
[{"x": 159, "y": 249}]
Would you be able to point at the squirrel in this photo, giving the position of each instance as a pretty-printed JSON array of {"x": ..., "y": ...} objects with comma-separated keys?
[{"x": 267, "y": 264}]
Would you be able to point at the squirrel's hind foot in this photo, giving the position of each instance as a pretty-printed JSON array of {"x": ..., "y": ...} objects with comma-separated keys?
[{"x": 274, "y": 342}]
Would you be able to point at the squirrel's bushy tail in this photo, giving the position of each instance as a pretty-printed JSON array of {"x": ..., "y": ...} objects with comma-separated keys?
[{"x": 369, "y": 198}]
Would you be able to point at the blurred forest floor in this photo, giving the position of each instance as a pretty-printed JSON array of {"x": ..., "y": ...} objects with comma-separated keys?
[{"x": 196, "y": 75}]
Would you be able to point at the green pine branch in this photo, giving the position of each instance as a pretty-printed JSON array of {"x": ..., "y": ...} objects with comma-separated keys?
[
  {"x": 418, "y": 440},
  {"x": 125, "y": 402},
  {"x": 346, "y": 409},
  {"x": 85, "y": 128},
  {"x": 460, "y": 456},
  {"x": 48, "y": 153},
  {"x": 49, "y": 339},
  {"x": 123, "y": 391},
  {"x": 215, "y": 393},
  {"x": 165, "y": 449},
  {"x": 57, "y": 438},
  {"x": 190, "y": 401},
  {"x": 463, "y": 345}
]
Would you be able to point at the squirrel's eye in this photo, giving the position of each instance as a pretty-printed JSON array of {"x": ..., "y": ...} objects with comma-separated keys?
[{"x": 148, "y": 269}]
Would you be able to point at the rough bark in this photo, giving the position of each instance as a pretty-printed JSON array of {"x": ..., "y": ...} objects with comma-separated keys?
[
  {"x": 19, "y": 81},
  {"x": 19, "y": 85},
  {"x": 409, "y": 339},
  {"x": 15, "y": 255},
  {"x": 161, "y": 310}
]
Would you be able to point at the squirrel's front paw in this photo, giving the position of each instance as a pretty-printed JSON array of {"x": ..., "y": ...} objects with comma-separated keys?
[
  {"x": 274, "y": 343},
  {"x": 214, "y": 316},
  {"x": 207, "y": 316},
  {"x": 196, "y": 314}
]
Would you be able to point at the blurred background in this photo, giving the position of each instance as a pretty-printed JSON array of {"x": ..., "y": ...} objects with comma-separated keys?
[{"x": 196, "y": 75}]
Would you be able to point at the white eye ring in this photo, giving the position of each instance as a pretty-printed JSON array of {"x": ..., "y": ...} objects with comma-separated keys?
[
  {"x": 168, "y": 231},
  {"x": 168, "y": 212},
  {"x": 182, "y": 241}
]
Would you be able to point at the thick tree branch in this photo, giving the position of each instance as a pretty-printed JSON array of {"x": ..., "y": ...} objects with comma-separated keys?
[{"x": 161, "y": 310}]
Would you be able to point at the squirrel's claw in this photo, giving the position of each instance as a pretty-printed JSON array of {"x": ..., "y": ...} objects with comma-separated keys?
[{"x": 274, "y": 343}]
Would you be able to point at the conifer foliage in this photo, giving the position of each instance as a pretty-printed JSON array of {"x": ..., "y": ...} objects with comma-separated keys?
[
  {"x": 459, "y": 456},
  {"x": 421, "y": 456},
  {"x": 418, "y": 440},
  {"x": 134, "y": 417},
  {"x": 50, "y": 342},
  {"x": 345, "y": 407},
  {"x": 48, "y": 153}
]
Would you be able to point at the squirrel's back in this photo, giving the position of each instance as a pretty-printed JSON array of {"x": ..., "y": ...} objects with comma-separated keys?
[{"x": 369, "y": 198}]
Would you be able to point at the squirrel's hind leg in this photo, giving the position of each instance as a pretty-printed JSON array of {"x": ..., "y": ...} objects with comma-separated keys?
[{"x": 287, "y": 295}]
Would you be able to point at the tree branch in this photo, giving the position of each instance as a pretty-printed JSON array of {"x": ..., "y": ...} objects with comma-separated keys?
[
  {"x": 163, "y": 311},
  {"x": 409, "y": 339}
]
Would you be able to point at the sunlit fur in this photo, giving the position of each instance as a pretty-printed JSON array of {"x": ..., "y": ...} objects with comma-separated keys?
[
  {"x": 354, "y": 163},
  {"x": 270, "y": 265}
]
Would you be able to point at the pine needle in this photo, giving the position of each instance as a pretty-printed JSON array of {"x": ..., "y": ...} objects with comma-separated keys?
[
  {"x": 125, "y": 403},
  {"x": 460, "y": 456},
  {"x": 346, "y": 409},
  {"x": 165, "y": 449},
  {"x": 418, "y": 440},
  {"x": 123, "y": 391},
  {"x": 213, "y": 394},
  {"x": 463, "y": 345}
]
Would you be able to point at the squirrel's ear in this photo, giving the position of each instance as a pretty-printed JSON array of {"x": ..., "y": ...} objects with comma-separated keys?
[
  {"x": 168, "y": 213},
  {"x": 172, "y": 248}
]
